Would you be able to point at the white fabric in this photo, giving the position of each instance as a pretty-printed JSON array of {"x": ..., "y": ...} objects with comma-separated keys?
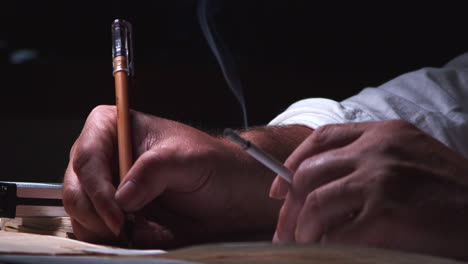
[{"x": 433, "y": 99}]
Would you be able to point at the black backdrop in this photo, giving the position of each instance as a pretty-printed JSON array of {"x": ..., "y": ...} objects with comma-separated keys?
[{"x": 285, "y": 50}]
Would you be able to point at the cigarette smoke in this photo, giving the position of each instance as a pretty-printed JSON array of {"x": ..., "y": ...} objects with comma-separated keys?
[{"x": 224, "y": 57}]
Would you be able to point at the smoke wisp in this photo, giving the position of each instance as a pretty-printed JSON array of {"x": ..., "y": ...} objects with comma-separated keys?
[{"x": 205, "y": 14}]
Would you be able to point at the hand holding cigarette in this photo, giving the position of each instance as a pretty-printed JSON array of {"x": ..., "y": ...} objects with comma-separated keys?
[{"x": 260, "y": 155}]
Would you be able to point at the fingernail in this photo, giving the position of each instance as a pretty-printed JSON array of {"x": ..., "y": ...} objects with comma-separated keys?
[
  {"x": 129, "y": 197},
  {"x": 279, "y": 189}
]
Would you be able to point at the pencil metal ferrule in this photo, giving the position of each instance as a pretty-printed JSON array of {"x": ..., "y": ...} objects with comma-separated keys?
[{"x": 122, "y": 49}]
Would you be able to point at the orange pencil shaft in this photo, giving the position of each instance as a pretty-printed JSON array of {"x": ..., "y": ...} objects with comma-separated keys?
[
  {"x": 124, "y": 138},
  {"x": 122, "y": 55}
]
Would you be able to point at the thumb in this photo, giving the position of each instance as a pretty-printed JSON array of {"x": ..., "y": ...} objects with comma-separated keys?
[{"x": 146, "y": 180}]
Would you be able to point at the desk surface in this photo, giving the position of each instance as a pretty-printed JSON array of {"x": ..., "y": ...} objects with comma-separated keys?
[{"x": 30, "y": 248}]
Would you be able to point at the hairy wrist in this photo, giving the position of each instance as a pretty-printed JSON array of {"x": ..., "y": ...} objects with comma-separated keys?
[{"x": 253, "y": 212}]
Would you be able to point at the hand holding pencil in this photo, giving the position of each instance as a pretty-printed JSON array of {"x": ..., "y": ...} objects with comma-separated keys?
[{"x": 182, "y": 184}]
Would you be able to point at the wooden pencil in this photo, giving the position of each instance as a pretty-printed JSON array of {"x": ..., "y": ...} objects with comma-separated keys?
[
  {"x": 123, "y": 69},
  {"x": 124, "y": 138}
]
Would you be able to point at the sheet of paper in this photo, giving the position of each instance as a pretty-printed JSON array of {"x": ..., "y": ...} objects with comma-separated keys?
[
  {"x": 123, "y": 251},
  {"x": 88, "y": 260},
  {"x": 24, "y": 243}
]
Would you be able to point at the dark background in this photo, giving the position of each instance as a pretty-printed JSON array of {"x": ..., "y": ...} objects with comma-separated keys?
[{"x": 285, "y": 50}]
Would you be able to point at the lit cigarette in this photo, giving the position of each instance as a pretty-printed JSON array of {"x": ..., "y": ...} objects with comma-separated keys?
[{"x": 260, "y": 155}]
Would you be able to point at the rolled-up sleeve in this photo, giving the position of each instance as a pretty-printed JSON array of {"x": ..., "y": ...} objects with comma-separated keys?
[{"x": 433, "y": 99}]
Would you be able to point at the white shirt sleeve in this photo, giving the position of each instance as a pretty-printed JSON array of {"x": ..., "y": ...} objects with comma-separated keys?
[{"x": 433, "y": 99}]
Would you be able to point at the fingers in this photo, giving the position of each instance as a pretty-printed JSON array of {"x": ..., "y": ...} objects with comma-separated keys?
[
  {"x": 321, "y": 140},
  {"x": 88, "y": 182},
  {"x": 328, "y": 207},
  {"x": 279, "y": 188},
  {"x": 287, "y": 219},
  {"x": 321, "y": 169},
  {"x": 98, "y": 186},
  {"x": 173, "y": 166},
  {"x": 78, "y": 205},
  {"x": 311, "y": 174},
  {"x": 104, "y": 236},
  {"x": 87, "y": 225},
  {"x": 144, "y": 182}
]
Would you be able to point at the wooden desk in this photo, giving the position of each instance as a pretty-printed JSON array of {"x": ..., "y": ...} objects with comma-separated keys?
[{"x": 23, "y": 248}]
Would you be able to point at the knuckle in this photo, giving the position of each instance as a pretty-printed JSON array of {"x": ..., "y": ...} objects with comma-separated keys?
[
  {"x": 86, "y": 159},
  {"x": 384, "y": 180},
  {"x": 69, "y": 198},
  {"x": 148, "y": 159},
  {"x": 77, "y": 204},
  {"x": 102, "y": 118},
  {"x": 321, "y": 134},
  {"x": 299, "y": 183},
  {"x": 313, "y": 202},
  {"x": 173, "y": 153},
  {"x": 81, "y": 160},
  {"x": 72, "y": 150},
  {"x": 148, "y": 164},
  {"x": 158, "y": 158},
  {"x": 102, "y": 110},
  {"x": 386, "y": 146},
  {"x": 306, "y": 175}
]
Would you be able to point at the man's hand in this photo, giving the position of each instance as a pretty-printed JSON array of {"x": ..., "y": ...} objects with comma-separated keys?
[
  {"x": 185, "y": 186},
  {"x": 384, "y": 184}
]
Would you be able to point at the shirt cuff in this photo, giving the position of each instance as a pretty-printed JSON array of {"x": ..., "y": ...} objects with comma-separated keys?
[{"x": 316, "y": 112}]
